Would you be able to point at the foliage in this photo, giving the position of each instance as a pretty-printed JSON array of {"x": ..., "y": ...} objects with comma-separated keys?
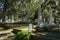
[
  {"x": 23, "y": 35},
  {"x": 28, "y": 8}
]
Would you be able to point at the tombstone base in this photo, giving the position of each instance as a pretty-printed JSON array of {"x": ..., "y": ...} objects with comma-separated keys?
[
  {"x": 44, "y": 24},
  {"x": 52, "y": 24},
  {"x": 41, "y": 25}
]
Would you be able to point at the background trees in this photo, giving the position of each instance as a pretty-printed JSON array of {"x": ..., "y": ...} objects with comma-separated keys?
[{"x": 29, "y": 8}]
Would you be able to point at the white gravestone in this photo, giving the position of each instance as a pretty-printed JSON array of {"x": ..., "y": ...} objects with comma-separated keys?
[
  {"x": 9, "y": 20},
  {"x": 40, "y": 20},
  {"x": 25, "y": 19},
  {"x": 12, "y": 20},
  {"x": 1, "y": 20},
  {"x": 30, "y": 28},
  {"x": 6, "y": 19},
  {"x": 57, "y": 2},
  {"x": 51, "y": 17}
]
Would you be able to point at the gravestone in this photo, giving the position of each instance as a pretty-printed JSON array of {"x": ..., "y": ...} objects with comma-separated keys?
[
  {"x": 6, "y": 19},
  {"x": 43, "y": 0},
  {"x": 0, "y": 20},
  {"x": 30, "y": 28},
  {"x": 57, "y": 2},
  {"x": 51, "y": 22},
  {"x": 12, "y": 19},
  {"x": 9, "y": 20},
  {"x": 40, "y": 20},
  {"x": 25, "y": 19}
]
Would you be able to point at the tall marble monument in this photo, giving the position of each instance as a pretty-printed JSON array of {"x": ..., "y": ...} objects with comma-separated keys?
[
  {"x": 40, "y": 20},
  {"x": 51, "y": 22}
]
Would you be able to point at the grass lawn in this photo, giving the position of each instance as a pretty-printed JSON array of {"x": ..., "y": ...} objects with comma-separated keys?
[{"x": 45, "y": 36}]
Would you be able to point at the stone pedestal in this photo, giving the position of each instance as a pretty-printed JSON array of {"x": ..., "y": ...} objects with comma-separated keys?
[{"x": 12, "y": 19}]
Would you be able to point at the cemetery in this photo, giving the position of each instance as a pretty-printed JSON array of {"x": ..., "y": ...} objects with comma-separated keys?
[{"x": 29, "y": 20}]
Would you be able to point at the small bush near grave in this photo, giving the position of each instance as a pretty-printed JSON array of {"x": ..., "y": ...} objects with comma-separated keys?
[{"x": 23, "y": 35}]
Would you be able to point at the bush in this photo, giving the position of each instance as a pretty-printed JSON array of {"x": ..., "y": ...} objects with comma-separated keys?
[{"x": 23, "y": 35}]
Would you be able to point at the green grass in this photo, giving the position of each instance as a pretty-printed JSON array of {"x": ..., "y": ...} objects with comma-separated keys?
[{"x": 22, "y": 35}]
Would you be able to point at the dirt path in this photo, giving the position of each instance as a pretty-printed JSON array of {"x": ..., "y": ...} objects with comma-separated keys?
[
  {"x": 8, "y": 35},
  {"x": 21, "y": 28}
]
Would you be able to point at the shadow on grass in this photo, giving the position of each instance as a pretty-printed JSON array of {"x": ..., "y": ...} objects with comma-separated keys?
[
  {"x": 5, "y": 26},
  {"x": 52, "y": 33},
  {"x": 48, "y": 36}
]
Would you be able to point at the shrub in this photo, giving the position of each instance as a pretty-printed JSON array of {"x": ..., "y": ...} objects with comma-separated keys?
[{"x": 23, "y": 35}]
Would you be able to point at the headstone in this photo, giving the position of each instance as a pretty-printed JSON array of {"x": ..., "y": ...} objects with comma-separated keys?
[
  {"x": 51, "y": 17},
  {"x": 25, "y": 19},
  {"x": 57, "y": 2},
  {"x": 6, "y": 19},
  {"x": 40, "y": 20},
  {"x": 43, "y": 0},
  {"x": 12, "y": 19},
  {"x": 9, "y": 20},
  {"x": 30, "y": 28},
  {"x": 1, "y": 20},
  {"x": 44, "y": 20}
]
